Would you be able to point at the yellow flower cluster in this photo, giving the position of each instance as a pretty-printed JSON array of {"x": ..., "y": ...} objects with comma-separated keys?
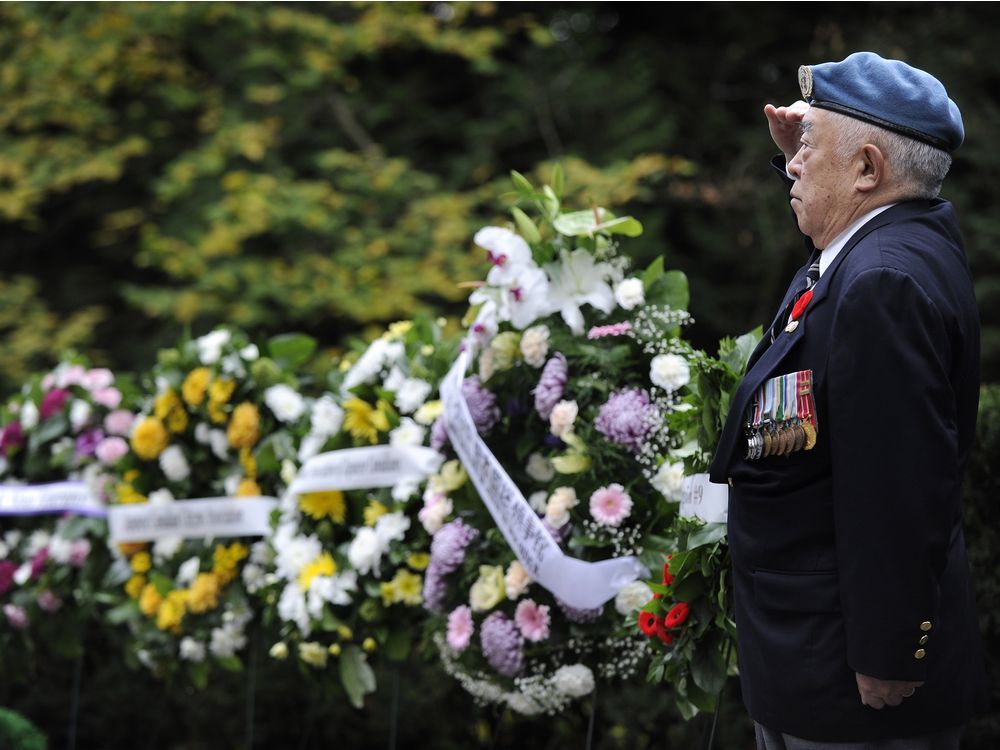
[
  {"x": 172, "y": 611},
  {"x": 149, "y": 438},
  {"x": 195, "y": 386},
  {"x": 373, "y": 511},
  {"x": 364, "y": 421},
  {"x": 134, "y": 586},
  {"x": 149, "y": 600},
  {"x": 219, "y": 393},
  {"x": 405, "y": 588},
  {"x": 169, "y": 409},
  {"x": 321, "y": 566},
  {"x": 127, "y": 494},
  {"x": 226, "y": 559},
  {"x": 141, "y": 563},
  {"x": 320, "y": 505},
  {"x": 418, "y": 560},
  {"x": 204, "y": 593},
  {"x": 244, "y": 427}
]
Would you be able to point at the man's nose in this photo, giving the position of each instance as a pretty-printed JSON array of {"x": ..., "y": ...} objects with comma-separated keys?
[{"x": 794, "y": 167}]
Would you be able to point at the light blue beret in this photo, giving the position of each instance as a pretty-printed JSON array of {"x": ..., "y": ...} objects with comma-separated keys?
[{"x": 887, "y": 93}]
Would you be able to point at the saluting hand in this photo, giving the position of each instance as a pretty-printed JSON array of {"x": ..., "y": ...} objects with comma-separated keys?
[
  {"x": 881, "y": 693},
  {"x": 783, "y": 123}
]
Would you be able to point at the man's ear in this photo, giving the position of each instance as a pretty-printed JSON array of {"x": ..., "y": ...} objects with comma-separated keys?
[{"x": 871, "y": 168}]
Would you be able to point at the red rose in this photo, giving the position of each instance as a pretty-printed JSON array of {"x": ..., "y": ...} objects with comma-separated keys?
[
  {"x": 648, "y": 623},
  {"x": 677, "y": 615}
]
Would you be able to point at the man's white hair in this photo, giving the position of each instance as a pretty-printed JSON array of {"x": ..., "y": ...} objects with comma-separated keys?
[{"x": 917, "y": 168}]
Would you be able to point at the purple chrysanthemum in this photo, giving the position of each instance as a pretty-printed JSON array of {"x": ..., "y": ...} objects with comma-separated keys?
[
  {"x": 482, "y": 404},
  {"x": 573, "y": 614},
  {"x": 502, "y": 644},
  {"x": 439, "y": 434},
  {"x": 86, "y": 443},
  {"x": 551, "y": 385},
  {"x": 434, "y": 588},
  {"x": 627, "y": 418},
  {"x": 449, "y": 543}
]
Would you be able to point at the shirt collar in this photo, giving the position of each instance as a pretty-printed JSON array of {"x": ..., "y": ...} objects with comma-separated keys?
[{"x": 831, "y": 251}]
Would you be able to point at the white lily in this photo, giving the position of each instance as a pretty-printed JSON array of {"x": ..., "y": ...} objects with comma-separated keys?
[{"x": 577, "y": 279}]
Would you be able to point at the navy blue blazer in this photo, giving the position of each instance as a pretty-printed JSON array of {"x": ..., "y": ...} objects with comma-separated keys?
[{"x": 851, "y": 557}]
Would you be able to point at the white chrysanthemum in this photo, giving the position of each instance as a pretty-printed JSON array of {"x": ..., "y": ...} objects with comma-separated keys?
[
  {"x": 192, "y": 650},
  {"x": 232, "y": 365},
  {"x": 669, "y": 480},
  {"x": 79, "y": 414},
  {"x": 327, "y": 416},
  {"x": 391, "y": 527},
  {"x": 162, "y": 496},
  {"x": 433, "y": 515},
  {"x": 394, "y": 379},
  {"x": 630, "y": 293},
  {"x": 166, "y": 547},
  {"x": 284, "y": 402},
  {"x": 38, "y": 541},
  {"x": 575, "y": 680},
  {"x": 174, "y": 465},
  {"x": 220, "y": 444},
  {"x": 60, "y": 549},
  {"x": 188, "y": 571},
  {"x": 412, "y": 394},
  {"x": 404, "y": 489},
  {"x": 408, "y": 433},
  {"x": 669, "y": 371},
  {"x": 226, "y": 641},
  {"x": 311, "y": 445},
  {"x": 379, "y": 354},
  {"x": 292, "y": 607},
  {"x": 335, "y": 589},
  {"x": 210, "y": 346},
  {"x": 365, "y": 551},
  {"x": 632, "y": 596},
  {"x": 535, "y": 345},
  {"x": 293, "y": 552},
  {"x": 562, "y": 417},
  {"x": 202, "y": 433},
  {"x": 29, "y": 415},
  {"x": 250, "y": 352},
  {"x": 539, "y": 468}
]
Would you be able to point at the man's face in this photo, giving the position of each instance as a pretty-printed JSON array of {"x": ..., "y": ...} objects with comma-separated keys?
[{"x": 824, "y": 183}]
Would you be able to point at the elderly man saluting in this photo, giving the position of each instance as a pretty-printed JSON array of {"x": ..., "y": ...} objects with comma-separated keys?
[{"x": 846, "y": 442}]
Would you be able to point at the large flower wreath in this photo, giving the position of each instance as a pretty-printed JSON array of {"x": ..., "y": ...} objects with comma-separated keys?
[
  {"x": 581, "y": 386},
  {"x": 219, "y": 420},
  {"x": 347, "y": 571},
  {"x": 59, "y": 439}
]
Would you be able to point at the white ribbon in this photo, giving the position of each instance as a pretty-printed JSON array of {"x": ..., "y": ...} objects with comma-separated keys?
[
  {"x": 703, "y": 499},
  {"x": 58, "y": 497},
  {"x": 363, "y": 468},
  {"x": 191, "y": 519},
  {"x": 580, "y": 584}
]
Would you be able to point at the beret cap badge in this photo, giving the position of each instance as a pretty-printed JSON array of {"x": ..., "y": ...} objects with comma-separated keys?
[{"x": 806, "y": 81}]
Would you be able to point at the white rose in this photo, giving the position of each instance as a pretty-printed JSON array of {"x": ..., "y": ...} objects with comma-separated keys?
[
  {"x": 433, "y": 515},
  {"x": 192, "y": 650},
  {"x": 539, "y": 468},
  {"x": 188, "y": 571},
  {"x": 408, "y": 433},
  {"x": 284, "y": 402},
  {"x": 79, "y": 414},
  {"x": 250, "y": 352},
  {"x": 411, "y": 394},
  {"x": 562, "y": 417},
  {"x": 517, "y": 580},
  {"x": 629, "y": 293},
  {"x": 669, "y": 371},
  {"x": 535, "y": 345},
  {"x": 575, "y": 680},
  {"x": 29, "y": 415},
  {"x": 669, "y": 480},
  {"x": 558, "y": 507},
  {"x": 538, "y": 501},
  {"x": 365, "y": 551},
  {"x": 162, "y": 496},
  {"x": 210, "y": 346},
  {"x": 174, "y": 464},
  {"x": 631, "y": 597},
  {"x": 327, "y": 416}
]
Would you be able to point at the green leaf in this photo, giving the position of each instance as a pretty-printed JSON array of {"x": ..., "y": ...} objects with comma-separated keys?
[
  {"x": 50, "y": 429},
  {"x": 230, "y": 663},
  {"x": 689, "y": 589},
  {"x": 398, "y": 644},
  {"x": 708, "y": 668},
  {"x": 199, "y": 675},
  {"x": 652, "y": 273},
  {"x": 710, "y": 533},
  {"x": 291, "y": 349},
  {"x": 736, "y": 353},
  {"x": 355, "y": 674},
  {"x": 585, "y": 223},
  {"x": 521, "y": 182},
  {"x": 557, "y": 180},
  {"x": 670, "y": 289},
  {"x": 702, "y": 701},
  {"x": 526, "y": 226},
  {"x": 122, "y": 613}
]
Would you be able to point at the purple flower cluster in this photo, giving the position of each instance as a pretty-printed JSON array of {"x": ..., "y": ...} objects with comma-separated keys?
[
  {"x": 502, "y": 644},
  {"x": 447, "y": 553},
  {"x": 627, "y": 417},
  {"x": 551, "y": 385},
  {"x": 439, "y": 434},
  {"x": 482, "y": 404}
]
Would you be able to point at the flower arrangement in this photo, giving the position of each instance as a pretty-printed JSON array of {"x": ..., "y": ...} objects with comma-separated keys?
[
  {"x": 218, "y": 421},
  {"x": 346, "y": 577},
  {"x": 66, "y": 425},
  {"x": 582, "y": 388}
]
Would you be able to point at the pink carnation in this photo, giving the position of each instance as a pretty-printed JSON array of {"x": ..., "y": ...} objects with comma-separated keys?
[
  {"x": 460, "y": 628},
  {"x": 532, "y": 620},
  {"x": 72, "y": 375},
  {"x": 615, "y": 329},
  {"x": 118, "y": 422},
  {"x": 53, "y": 402},
  {"x": 108, "y": 397},
  {"x": 78, "y": 552},
  {"x": 110, "y": 450},
  {"x": 16, "y": 616},
  {"x": 97, "y": 378},
  {"x": 610, "y": 505},
  {"x": 48, "y": 601}
]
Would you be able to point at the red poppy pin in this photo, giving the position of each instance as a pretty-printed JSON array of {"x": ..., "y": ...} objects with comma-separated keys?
[{"x": 801, "y": 305}]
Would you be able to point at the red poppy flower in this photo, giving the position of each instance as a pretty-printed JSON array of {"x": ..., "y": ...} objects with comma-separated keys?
[
  {"x": 668, "y": 577},
  {"x": 677, "y": 615},
  {"x": 801, "y": 305},
  {"x": 663, "y": 634},
  {"x": 648, "y": 623}
]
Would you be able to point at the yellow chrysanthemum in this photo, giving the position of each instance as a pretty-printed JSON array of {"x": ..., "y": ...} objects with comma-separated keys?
[
  {"x": 226, "y": 559},
  {"x": 449, "y": 478},
  {"x": 363, "y": 421},
  {"x": 172, "y": 611},
  {"x": 195, "y": 386},
  {"x": 221, "y": 390},
  {"x": 326, "y": 504},
  {"x": 150, "y": 438},
  {"x": 248, "y": 488},
  {"x": 248, "y": 462},
  {"x": 387, "y": 590},
  {"x": 373, "y": 511},
  {"x": 314, "y": 654},
  {"x": 244, "y": 426},
  {"x": 405, "y": 587},
  {"x": 131, "y": 475},
  {"x": 142, "y": 562},
  {"x": 169, "y": 409},
  {"x": 134, "y": 585},
  {"x": 204, "y": 593},
  {"x": 149, "y": 600},
  {"x": 321, "y": 566},
  {"x": 127, "y": 494},
  {"x": 418, "y": 560},
  {"x": 216, "y": 412},
  {"x": 430, "y": 411}
]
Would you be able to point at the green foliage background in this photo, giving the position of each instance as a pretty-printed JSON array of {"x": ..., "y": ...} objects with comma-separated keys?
[{"x": 323, "y": 167}]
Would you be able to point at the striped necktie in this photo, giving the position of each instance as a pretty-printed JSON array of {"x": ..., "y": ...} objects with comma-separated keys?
[{"x": 812, "y": 276}]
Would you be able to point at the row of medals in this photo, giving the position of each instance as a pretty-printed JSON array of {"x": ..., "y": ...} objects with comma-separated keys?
[{"x": 781, "y": 439}]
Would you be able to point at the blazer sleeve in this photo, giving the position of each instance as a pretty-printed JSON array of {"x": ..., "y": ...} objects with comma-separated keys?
[{"x": 894, "y": 450}]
